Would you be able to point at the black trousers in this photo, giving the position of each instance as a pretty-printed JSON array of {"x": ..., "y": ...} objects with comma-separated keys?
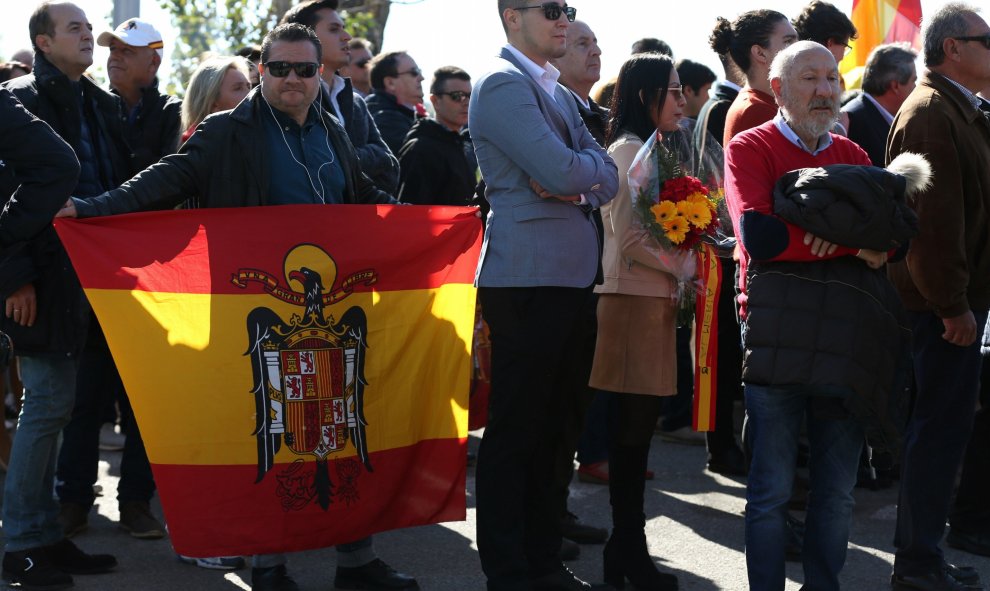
[
  {"x": 574, "y": 415},
  {"x": 971, "y": 510},
  {"x": 536, "y": 369}
]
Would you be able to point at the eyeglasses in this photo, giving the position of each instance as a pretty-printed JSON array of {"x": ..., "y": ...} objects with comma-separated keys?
[
  {"x": 414, "y": 72},
  {"x": 552, "y": 11},
  {"x": 302, "y": 69},
  {"x": 676, "y": 91},
  {"x": 845, "y": 45},
  {"x": 362, "y": 63},
  {"x": 984, "y": 39},
  {"x": 458, "y": 96}
]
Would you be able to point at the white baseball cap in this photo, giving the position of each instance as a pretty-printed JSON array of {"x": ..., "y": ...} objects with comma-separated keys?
[{"x": 136, "y": 33}]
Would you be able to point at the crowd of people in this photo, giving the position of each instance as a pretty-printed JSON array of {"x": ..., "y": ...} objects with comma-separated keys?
[{"x": 854, "y": 242}]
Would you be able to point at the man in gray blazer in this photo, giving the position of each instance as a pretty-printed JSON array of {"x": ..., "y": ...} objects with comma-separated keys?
[{"x": 545, "y": 174}]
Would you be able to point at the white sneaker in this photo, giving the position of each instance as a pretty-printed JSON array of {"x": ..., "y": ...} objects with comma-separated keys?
[{"x": 215, "y": 562}]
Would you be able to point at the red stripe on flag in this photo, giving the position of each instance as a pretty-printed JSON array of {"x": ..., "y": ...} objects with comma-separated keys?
[
  {"x": 220, "y": 511},
  {"x": 172, "y": 243}
]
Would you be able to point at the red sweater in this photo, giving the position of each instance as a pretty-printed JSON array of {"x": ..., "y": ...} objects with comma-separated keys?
[
  {"x": 751, "y": 108},
  {"x": 754, "y": 161}
]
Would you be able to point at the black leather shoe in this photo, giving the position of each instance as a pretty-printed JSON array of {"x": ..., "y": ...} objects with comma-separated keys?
[
  {"x": 564, "y": 580},
  {"x": 374, "y": 576},
  {"x": 32, "y": 569},
  {"x": 274, "y": 578},
  {"x": 582, "y": 533},
  {"x": 67, "y": 557},
  {"x": 966, "y": 575},
  {"x": 976, "y": 543},
  {"x": 568, "y": 551},
  {"x": 940, "y": 581}
]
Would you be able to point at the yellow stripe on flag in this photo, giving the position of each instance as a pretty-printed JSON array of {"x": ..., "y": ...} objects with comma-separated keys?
[{"x": 187, "y": 354}]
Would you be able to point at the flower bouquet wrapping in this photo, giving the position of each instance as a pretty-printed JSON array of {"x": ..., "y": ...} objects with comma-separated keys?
[
  {"x": 679, "y": 216},
  {"x": 676, "y": 211}
]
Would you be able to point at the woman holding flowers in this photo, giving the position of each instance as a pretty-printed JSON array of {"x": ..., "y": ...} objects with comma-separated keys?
[{"x": 637, "y": 314}]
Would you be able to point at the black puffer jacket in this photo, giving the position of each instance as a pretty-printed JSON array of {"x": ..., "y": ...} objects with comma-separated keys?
[
  {"x": 63, "y": 313},
  {"x": 835, "y": 327}
]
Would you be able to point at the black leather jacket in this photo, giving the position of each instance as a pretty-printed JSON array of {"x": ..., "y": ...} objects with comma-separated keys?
[{"x": 224, "y": 164}]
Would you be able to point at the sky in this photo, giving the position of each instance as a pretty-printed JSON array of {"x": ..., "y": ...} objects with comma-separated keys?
[{"x": 467, "y": 33}]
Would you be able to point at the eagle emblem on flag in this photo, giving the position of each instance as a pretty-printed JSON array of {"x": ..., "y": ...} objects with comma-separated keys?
[{"x": 309, "y": 381}]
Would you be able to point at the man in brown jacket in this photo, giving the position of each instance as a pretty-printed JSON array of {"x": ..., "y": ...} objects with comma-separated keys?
[{"x": 945, "y": 285}]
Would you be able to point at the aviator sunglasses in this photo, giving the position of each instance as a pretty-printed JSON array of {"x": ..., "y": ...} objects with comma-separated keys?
[
  {"x": 458, "y": 96},
  {"x": 303, "y": 69},
  {"x": 552, "y": 10}
]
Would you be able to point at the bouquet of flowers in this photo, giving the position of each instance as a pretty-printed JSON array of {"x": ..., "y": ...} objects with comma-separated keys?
[{"x": 676, "y": 211}]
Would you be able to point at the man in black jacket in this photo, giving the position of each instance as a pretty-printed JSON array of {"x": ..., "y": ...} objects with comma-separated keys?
[
  {"x": 397, "y": 96},
  {"x": 437, "y": 161},
  {"x": 338, "y": 97},
  {"x": 152, "y": 130},
  {"x": 278, "y": 147},
  {"x": 49, "y": 313}
]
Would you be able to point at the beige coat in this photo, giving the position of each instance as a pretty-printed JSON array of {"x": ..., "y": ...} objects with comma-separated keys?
[
  {"x": 630, "y": 262},
  {"x": 636, "y": 349}
]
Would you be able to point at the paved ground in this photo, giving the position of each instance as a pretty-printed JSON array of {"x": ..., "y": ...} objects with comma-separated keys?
[{"x": 695, "y": 529}]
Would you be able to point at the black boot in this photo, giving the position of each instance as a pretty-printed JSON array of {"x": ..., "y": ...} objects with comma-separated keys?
[{"x": 626, "y": 554}]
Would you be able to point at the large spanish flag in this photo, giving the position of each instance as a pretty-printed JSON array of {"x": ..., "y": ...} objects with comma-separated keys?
[
  {"x": 299, "y": 373},
  {"x": 878, "y": 22}
]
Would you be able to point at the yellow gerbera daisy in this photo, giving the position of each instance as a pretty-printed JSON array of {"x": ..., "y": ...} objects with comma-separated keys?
[
  {"x": 664, "y": 210},
  {"x": 696, "y": 212},
  {"x": 676, "y": 229}
]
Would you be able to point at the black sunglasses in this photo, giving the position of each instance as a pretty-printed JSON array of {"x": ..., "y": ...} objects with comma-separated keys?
[
  {"x": 984, "y": 39},
  {"x": 552, "y": 10},
  {"x": 303, "y": 69},
  {"x": 362, "y": 63},
  {"x": 458, "y": 96},
  {"x": 414, "y": 72}
]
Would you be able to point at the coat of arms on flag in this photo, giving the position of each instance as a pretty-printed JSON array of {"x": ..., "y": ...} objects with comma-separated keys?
[{"x": 308, "y": 374}]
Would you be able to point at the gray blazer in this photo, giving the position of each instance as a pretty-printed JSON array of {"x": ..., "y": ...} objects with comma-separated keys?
[{"x": 519, "y": 133}]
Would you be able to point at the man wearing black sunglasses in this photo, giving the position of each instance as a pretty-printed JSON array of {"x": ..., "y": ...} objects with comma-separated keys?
[
  {"x": 945, "y": 285},
  {"x": 437, "y": 159},
  {"x": 359, "y": 68},
  {"x": 545, "y": 174},
  {"x": 278, "y": 147}
]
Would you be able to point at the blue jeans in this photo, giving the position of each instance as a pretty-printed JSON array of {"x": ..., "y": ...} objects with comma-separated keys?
[
  {"x": 30, "y": 512},
  {"x": 775, "y": 419},
  {"x": 948, "y": 383}
]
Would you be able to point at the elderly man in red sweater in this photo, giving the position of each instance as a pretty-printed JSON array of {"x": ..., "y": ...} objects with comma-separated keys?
[{"x": 805, "y": 83}]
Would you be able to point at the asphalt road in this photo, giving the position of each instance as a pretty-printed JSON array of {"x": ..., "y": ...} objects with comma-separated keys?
[{"x": 695, "y": 529}]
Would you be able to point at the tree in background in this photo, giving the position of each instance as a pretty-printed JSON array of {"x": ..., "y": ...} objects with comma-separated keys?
[{"x": 222, "y": 27}]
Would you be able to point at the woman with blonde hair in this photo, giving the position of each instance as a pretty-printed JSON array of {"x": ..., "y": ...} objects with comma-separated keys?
[{"x": 218, "y": 84}]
